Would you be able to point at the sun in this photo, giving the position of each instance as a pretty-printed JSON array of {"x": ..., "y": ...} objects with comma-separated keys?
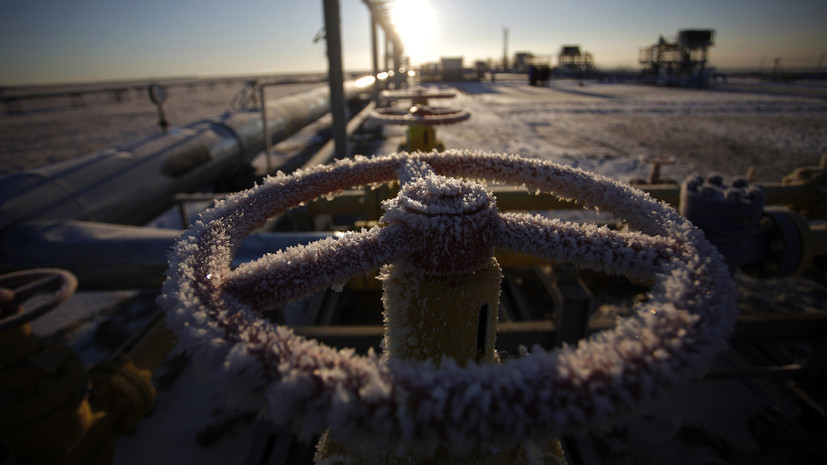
[{"x": 414, "y": 21}]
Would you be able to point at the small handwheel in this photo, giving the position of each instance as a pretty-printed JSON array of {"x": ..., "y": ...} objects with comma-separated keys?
[
  {"x": 17, "y": 287},
  {"x": 420, "y": 115},
  {"x": 418, "y": 95},
  {"x": 447, "y": 225}
]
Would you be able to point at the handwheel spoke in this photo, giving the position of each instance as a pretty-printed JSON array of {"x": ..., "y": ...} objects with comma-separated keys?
[
  {"x": 29, "y": 289},
  {"x": 298, "y": 271},
  {"x": 633, "y": 254}
]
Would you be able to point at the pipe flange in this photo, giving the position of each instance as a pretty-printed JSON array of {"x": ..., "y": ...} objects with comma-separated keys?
[{"x": 788, "y": 241}]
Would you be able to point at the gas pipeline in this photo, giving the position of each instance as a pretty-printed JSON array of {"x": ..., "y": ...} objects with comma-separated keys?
[{"x": 84, "y": 214}]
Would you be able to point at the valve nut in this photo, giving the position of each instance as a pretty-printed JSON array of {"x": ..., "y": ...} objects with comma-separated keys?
[{"x": 455, "y": 218}]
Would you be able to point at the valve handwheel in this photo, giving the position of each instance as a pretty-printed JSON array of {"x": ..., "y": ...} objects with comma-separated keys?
[
  {"x": 19, "y": 286},
  {"x": 420, "y": 115},
  {"x": 446, "y": 225},
  {"x": 418, "y": 95}
]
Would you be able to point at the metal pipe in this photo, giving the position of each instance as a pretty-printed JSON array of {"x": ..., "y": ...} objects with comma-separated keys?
[
  {"x": 148, "y": 347},
  {"x": 398, "y": 78},
  {"x": 333, "y": 35},
  {"x": 328, "y": 150},
  {"x": 111, "y": 256},
  {"x": 267, "y": 139},
  {"x": 135, "y": 182},
  {"x": 374, "y": 47},
  {"x": 387, "y": 55},
  {"x": 801, "y": 327},
  {"x": 515, "y": 198}
]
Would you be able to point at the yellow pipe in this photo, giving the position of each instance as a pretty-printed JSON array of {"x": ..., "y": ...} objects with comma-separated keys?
[
  {"x": 422, "y": 139},
  {"x": 431, "y": 317}
]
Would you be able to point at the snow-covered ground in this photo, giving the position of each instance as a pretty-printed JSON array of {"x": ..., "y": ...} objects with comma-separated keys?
[{"x": 603, "y": 127}]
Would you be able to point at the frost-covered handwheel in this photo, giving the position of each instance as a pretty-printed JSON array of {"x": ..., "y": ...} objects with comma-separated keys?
[
  {"x": 20, "y": 286},
  {"x": 447, "y": 225}
]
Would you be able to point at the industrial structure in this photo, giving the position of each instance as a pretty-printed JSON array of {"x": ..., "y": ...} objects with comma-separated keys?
[
  {"x": 572, "y": 61},
  {"x": 522, "y": 60},
  {"x": 682, "y": 61}
]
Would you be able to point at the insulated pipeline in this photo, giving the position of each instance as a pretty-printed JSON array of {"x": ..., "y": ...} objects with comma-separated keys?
[{"x": 134, "y": 182}]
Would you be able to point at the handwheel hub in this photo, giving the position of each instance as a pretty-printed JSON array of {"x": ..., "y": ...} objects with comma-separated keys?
[{"x": 456, "y": 217}]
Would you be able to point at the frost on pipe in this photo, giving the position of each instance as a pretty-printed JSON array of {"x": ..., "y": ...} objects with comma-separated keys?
[{"x": 673, "y": 334}]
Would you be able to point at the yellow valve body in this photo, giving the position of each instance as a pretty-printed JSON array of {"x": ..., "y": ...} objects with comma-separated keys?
[
  {"x": 429, "y": 317},
  {"x": 422, "y": 138}
]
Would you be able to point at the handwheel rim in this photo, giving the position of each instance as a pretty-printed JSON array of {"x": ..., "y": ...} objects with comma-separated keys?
[
  {"x": 363, "y": 399},
  {"x": 417, "y": 93},
  {"x": 21, "y": 285},
  {"x": 428, "y": 116}
]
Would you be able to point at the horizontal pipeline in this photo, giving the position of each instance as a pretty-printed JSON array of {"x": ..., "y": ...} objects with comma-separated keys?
[
  {"x": 112, "y": 256},
  {"x": 135, "y": 182},
  {"x": 350, "y": 202}
]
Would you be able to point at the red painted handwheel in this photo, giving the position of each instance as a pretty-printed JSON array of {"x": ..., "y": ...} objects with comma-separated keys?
[
  {"x": 446, "y": 224},
  {"x": 20, "y": 286},
  {"x": 417, "y": 94},
  {"x": 420, "y": 115}
]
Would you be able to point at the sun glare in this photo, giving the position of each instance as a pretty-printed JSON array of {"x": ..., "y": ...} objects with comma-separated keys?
[{"x": 414, "y": 21}]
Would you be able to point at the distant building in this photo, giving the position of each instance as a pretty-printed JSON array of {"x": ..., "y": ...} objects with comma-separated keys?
[
  {"x": 451, "y": 69},
  {"x": 481, "y": 67},
  {"x": 522, "y": 60},
  {"x": 572, "y": 60}
]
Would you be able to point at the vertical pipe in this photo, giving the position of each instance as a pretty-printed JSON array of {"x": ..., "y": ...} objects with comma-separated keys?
[
  {"x": 432, "y": 317},
  {"x": 332, "y": 23},
  {"x": 375, "y": 56},
  {"x": 387, "y": 56},
  {"x": 264, "y": 127},
  {"x": 397, "y": 63},
  {"x": 505, "y": 48}
]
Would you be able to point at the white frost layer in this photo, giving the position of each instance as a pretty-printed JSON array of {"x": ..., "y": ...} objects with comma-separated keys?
[{"x": 684, "y": 321}]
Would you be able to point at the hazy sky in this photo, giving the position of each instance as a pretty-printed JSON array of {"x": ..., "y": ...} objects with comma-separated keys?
[{"x": 46, "y": 41}]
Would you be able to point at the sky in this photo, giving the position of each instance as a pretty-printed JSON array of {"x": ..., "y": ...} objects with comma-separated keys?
[{"x": 59, "y": 41}]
